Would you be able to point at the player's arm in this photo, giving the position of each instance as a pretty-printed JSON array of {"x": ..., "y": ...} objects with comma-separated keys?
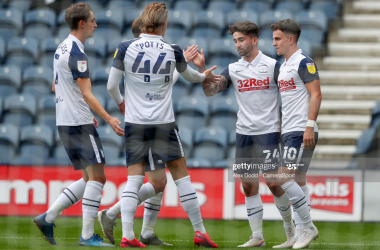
[
  {"x": 53, "y": 84},
  {"x": 212, "y": 88},
  {"x": 84, "y": 84},
  {"x": 308, "y": 72}
]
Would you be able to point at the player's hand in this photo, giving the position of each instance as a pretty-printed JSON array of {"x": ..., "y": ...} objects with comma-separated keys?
[
  {"x": 199, "y": 60},
  {"x": 114, "y": 123},
  {"x": 191, "y": 53},
  {"x": 308, "y": 138},
  {"x": 210, "y": 77},
  {"x": 122, "y": 107},
  {"x": 96, "y": 124}
]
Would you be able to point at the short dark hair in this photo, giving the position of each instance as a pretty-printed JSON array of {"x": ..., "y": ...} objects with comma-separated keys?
[
  {"x": 136, "y": 27},
  {"x": 77, "y": 12},
  {"x": 246, "y": 27},
  {"x": 288, "y": 26}
]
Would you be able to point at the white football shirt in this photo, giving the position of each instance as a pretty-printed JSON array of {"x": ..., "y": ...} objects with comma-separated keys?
[
  {"x": 70, "y": 63},
  {"x": 294, "y": 74},
  {"x": 148, "y": 63},
  {"x": 256, "y": 93}
]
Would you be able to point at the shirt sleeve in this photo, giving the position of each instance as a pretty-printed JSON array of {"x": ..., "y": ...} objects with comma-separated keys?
[
  {"x": 118, "y": 58},
  {"x": 226, "y": 74},
  {"x": 276, "y": 71},
  {"x": 180, "y": 60},
  {"x": 78, "y": 63},
  {"x": 307, "y": 70}
]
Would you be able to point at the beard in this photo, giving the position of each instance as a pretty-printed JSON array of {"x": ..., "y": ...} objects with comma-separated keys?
[{"x": 246, "y": 51}]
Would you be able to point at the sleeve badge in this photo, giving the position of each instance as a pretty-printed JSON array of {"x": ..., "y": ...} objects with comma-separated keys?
[
  {"x": 311, "y": 68},
  {"x": 82, "y": 66}
]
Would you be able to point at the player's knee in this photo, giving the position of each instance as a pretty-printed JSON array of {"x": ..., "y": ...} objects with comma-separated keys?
[
  {"x": 159, "y": 185},
  {"x": 100, "y": 178},
  {"x": 274, "y": 187},
  {"x": 249, "y": 189},
  {"x": 85, "y": 178}
]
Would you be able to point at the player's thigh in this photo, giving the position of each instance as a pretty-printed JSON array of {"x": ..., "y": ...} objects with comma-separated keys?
[
  {"x": 137, "y": 169},
  {"x": 96, "y": 172},
  {"x": 267, "y": 148},
  {"x": 294, "y": 156},
  {"x": 136, "y": 146}
]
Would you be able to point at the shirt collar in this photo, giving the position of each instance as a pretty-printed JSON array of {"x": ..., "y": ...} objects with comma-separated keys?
[
  {"x": 150, "y": 36},
  {"x": 293, "y": 56},
  {"x": 254, "y": 62},
  {"x": 75, "y": 39}
]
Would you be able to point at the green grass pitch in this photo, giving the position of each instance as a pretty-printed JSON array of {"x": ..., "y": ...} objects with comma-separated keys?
[{"x": 20, "y": 233}]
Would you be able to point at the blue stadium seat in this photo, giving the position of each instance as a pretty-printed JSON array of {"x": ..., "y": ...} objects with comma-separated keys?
[
  {"x": 193, "y": 6},
  {"x": 221, "y": 164},
  {"x": 186, "y": 135},
  {"x": 329, "y": 7},
  {"x": 232, "y": 137},
  {"x": 306, "y": 47},
  {"x": 266, "y": 34},
  {"x": 37, "y": 76},
  {"x": 1, "y": 107},
  {"x": 257, "y": 5},
  {"x": 39, "y": 23},
  {"x": 46, "y": 112},
  {"x": 222, "y": 52},
  {"x": 122, "y": 4},
  {"x": 188, "y": 41},
  {"x": 180, "y": 19},
  {"x": 36, "y": 90},
  {"x": 9, "y": 142},
  {"x": 179, "y": 91},
  {"x": 271, "y": 16},
  {"x": 192, "y": 112},
  {"x": 121, "y": 161},
  {"x": 61, "y": 19},
  {"x": 222, "y": 5},
  {"x": 313, "y": 25},
  {"x": 63, "y": 32},
  {"x": 144, "y": 3},
  {"x": 132, "y": 15},
  {"x": 54, "y": 161},
  {"x": 36, "y": 141},
  {"x": 242, "y": 15},
  {"x": 111, "y": 142},
  {"x": 364, "y": 142},
  {"x": 198, "y": 163},
  {"x": 47, "y": 49},
  {"x": 19, "y": 110},
  {"x": 22, "y": 52},
  {"x": 95, "y": 5},
  {"x": 175, "y": 32},
  {"x": 210, "y": 143},
  {"x": 11, "y": 23},
  {"x": 2, "y": 49},
  {"x": 22, "y": 5},
  {"x": 100, "y": 76},
  {"x": 224, "y": 112},
  {"x": 265, "y": 45},
  {"x": 60, "y": 152},
  {"x": 293, "y": 6},
  {"x": 95, "y": 50},
  {"x": 10, "y": 80},
  {"x": 208, "y": 24},
  {"x": 110, "y": 23}
]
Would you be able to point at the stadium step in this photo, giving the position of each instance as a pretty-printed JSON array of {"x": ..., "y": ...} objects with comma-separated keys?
[
  {"x": 334, "y": 151},
  {"x": 354, "y": 49},
  {"x": 356, "y": 35},
  {"x": 338, "y": 137},
  {"x": 343, "y": 122},
  {"x": 350, "y": 92},
  {"x": 366, "y": 6},
  {"x": 335, "y": 77},
  {"x": 351, "y": 63},
  {"x": 347, "y": 107},
  {"x": 361, "y": 21}
]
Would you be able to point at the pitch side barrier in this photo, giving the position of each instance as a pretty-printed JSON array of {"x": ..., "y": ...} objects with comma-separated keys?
[{"x": 336, "y": 194}]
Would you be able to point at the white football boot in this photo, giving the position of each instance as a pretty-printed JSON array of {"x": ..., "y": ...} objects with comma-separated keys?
[
  {"x": 254, "y": 242},
  {"x": 308, "y": 234},
  {"x": 290, "y": 239}
]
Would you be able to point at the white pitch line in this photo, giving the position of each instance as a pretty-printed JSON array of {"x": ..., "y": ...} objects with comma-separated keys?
[{"x": 225, "y": 241}]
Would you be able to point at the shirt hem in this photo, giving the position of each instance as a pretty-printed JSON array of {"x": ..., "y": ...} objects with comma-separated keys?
[
  {"x": 297, "y": 130},
  {"x": 75, "y": 124},
  {"x": 148, "y": 123},
  {"x": 258, "y": 133}
]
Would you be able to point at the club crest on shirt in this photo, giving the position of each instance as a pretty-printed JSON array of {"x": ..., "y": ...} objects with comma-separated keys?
[
  {"x": 263, "y": 69},
  {"x": 311, "y": 68},
  {"x": 82, "y": 66},
  {"x": 115, "y": 52}
]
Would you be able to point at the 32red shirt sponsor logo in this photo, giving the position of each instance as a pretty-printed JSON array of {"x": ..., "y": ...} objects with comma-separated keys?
[
  {"x": 253, "y": 84},
  {"x": 286, "y": 85}
]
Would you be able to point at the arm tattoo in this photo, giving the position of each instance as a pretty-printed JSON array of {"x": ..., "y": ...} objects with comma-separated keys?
[
  {"x": 211, "y": 89},
  {"x": 202, "y": 68}
]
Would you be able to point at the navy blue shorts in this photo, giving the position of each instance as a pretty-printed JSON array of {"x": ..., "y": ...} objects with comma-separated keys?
[
  {"x": 162, "y": 141},
  {"x": 154, "y": 162},
  {"x": 293, "y": 152},
  {"x": 259, "y": 149},
  {"x": 82, "y": 145}
]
